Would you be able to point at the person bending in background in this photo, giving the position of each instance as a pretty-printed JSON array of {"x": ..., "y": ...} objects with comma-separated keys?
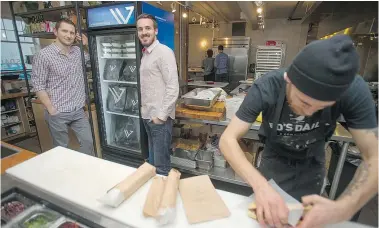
[
  {"x": 159, "y": 92},
  {"x": 208, "y": 66},
  {"x": 222, "y": 65},
  {"x": 58, "y": 81}
]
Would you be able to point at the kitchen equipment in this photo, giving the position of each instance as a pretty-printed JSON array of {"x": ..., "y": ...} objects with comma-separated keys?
[
  {"x": 184, "y": 158},
  {"x": 193, "y": 97},
  {"x": 204, "y": 160},
  {"x": 269, "y": 58},
  {"x": 219, "y": 161}
]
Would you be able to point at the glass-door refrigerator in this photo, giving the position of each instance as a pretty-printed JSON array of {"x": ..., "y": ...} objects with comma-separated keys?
[{"x": 115, "y": 57}]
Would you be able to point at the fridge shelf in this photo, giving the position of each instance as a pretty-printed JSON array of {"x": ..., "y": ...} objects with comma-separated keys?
[
  {"x": 120, "y": 82},
  {"x": 122, "y": 114},
  {"x": 118, "y": 57}
]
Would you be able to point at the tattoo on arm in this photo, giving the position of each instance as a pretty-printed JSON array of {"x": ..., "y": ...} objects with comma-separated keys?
[
  {"x": 359, "y": 179},
  {"x": 375, "y": 131}
]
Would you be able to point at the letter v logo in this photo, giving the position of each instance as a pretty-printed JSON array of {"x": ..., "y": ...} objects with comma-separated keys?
[{"x": 119, "y": 17}]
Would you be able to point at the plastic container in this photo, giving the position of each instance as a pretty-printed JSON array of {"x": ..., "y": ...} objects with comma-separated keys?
[
  {"x": 13, "y": 205},
  {"x": 219, "y": 161}
]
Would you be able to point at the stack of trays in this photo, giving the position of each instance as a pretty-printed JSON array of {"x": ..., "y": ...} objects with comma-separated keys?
[{"x": 119, "y": 50}]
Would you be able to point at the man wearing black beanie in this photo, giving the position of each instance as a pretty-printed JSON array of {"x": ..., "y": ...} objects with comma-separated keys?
[{"x": 300, "y": 106}]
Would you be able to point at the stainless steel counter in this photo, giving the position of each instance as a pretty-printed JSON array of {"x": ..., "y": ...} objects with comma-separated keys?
[{"x": 204, "y": 84}]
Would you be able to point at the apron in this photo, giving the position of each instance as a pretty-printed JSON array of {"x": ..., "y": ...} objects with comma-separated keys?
[{"x": 296, "y": 162}]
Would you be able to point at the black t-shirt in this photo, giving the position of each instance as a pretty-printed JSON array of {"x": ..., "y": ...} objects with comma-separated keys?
[{"x": 356, "y": 105}]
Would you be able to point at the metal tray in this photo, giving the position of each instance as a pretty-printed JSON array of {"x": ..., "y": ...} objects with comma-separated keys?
[
  {"x": 50, "y": 216},
  {"x": 62, "y": 222},
  {"x": 12, "y": 198},
  {"x": 189, "y": 100},
  {"x": 48, "y": 205},
  {"x": 204, "y": 160},
  {"x": 219, "y": 161},
  {"x": 184, "y": 158}
]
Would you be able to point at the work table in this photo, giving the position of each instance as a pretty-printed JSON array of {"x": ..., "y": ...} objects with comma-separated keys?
[{"x": 76, "y": 180}]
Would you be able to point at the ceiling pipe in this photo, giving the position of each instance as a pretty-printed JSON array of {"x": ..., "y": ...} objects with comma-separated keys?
[
  {"x": 250, "y": 14},
  {"x": 214, "y": 7},
  {"x": 310, "y": 11},
  {"x": 293, "y": 11}
]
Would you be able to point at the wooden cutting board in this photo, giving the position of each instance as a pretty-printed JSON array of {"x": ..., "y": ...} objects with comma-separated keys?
[
  {"x": 195, "y": 114},
  {"x": 219, "y": 106}
]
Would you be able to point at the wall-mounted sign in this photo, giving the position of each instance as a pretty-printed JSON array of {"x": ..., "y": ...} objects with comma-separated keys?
[
  {"x": 165, "y": 21},
  {"x": 275, "y": 43},
  {"x": 121, "y": 14}
]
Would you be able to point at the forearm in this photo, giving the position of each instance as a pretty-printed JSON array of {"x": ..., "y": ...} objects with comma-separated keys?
[
  {"x": 45, "y": 100},
  {"x": 235, "y": 156},
  {"x": 363, "y": 186}
]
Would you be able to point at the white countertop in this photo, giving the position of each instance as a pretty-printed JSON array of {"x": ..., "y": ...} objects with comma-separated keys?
[{"x": 82, "y": 179}]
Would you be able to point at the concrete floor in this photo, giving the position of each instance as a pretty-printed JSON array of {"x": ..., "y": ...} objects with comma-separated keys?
[{"x": 368, "y": 215}]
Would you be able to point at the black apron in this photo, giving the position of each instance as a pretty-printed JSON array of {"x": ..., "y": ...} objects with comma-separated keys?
[{"x": 296, "y": 162}]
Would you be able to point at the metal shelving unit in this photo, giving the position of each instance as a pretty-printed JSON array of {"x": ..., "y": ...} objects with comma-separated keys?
[{"x": 269, "y": 58}]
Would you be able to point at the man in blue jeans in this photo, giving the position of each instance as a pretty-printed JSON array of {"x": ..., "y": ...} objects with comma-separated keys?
[
  {"x": 222, "y": 65},
  {"x": 159, "y": 92}
]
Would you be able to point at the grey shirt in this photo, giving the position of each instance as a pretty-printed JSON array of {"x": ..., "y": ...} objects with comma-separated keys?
[
  {"x": 208, "y": 65},
  {"x": 159, "y": 82}
]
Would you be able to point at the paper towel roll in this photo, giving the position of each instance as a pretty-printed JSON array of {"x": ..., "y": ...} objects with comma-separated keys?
[{"x": 123, "y": 190}]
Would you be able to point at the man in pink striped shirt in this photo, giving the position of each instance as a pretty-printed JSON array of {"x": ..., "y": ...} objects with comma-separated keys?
[{"x": 58, "y": 81}]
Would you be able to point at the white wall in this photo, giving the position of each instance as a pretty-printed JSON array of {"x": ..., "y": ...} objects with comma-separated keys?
[
  {"x": 293, "y": 34},
  {"x": 196, "y": 52}
]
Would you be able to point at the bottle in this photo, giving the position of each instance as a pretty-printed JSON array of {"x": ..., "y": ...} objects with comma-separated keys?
[{"x": 42, "y": 24}]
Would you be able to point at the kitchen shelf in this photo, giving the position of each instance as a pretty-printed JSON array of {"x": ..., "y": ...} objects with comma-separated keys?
[
  {"x": 120, "y": 82},
  {"x": 13, "y": 72},
  {"x": 10, "y": 111},
  {"x": 44, "y": 35},
  {"x": 122, "y": 114},
  {"x": 12, "y": 136},
  {"x": 11, "y": 124},
  {"x": 33, "y": 12}
]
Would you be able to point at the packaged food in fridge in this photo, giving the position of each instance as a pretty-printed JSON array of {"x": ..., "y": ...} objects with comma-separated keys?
[
  {"x": 116, "y": 45},
  {"x": 129, "y": 44},
  {"x": 107, "y": 44},
  {"x": 13, "y": 205},
  {"x": 132, "y": 104},
  {"x": 129, "y": 72},
  {"x": 127, "y": 132},
  {"x": 116, "y": 50},
  {"x": 116, "y": 98},
  {"x": 112, "y": 69}
]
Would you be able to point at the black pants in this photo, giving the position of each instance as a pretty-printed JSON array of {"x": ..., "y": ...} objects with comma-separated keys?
[
  {"x": 297, "y": 177},
  {"x": 209, "y": 77},
  {"x": 222, "y": 77}
]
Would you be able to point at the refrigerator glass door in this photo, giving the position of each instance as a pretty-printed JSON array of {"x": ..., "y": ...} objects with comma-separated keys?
[{"x": 118, "y": 91}]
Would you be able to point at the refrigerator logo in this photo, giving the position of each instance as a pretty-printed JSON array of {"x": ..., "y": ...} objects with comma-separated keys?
[
  {"x": 112, "y": 67},
  {"x": 119, "y": 17},
  {"x": 134, "y": 102},
  {"x": 128, "y": 133},
  {"x": 117, "y": 96},
  {"x": 132, "y": 68}
]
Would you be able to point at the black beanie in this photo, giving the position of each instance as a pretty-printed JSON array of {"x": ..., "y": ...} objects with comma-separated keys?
[{"x": 324, "y": 69}]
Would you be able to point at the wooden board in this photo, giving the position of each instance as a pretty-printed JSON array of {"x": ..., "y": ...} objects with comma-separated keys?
[
  {"x": 195, "y": 114},
  {"x": 219, "y": 106}
]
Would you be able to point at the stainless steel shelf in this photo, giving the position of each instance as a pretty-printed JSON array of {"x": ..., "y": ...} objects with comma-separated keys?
[
  {"x": 216, "y": 173},
  {"x": 10, "y": 111}
]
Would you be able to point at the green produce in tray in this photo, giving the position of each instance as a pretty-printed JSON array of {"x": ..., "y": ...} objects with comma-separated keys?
[{"x": 37, "y": 221}]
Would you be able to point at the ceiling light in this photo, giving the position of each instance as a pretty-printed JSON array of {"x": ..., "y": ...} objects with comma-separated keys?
[
  {"x": 259, "y": 10},
  {"x": 185, "y": 15},
  {"x": 173, "y": 7}
]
